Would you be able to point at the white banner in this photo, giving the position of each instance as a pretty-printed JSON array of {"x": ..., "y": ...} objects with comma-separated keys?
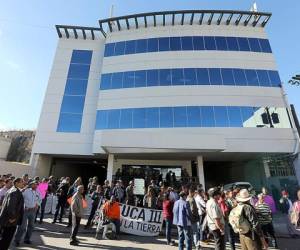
[{"x": 140, "y": 221}]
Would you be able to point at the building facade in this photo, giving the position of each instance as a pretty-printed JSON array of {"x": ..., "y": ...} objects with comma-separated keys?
[{"x": 194, "y": 92}]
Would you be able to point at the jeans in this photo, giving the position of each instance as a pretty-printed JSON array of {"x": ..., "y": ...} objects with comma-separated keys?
[
  {"x": 184, "y": 234},
  {"x": 231, "y": 235},
  {"x": 219, "y": 240},
  {"x": 27, "y": 225},
  {"x": 42, "y": 209},
  {"x": 195, "y": 232},
  {"x": 7, "y": 236},
  {"x": 59, "y": 207},
  {"x": 92, "y": 214},
  {"x": 168, "y": 230},
  {"x": 117, "y": 225},
  {"x": 75, "y": 226}
]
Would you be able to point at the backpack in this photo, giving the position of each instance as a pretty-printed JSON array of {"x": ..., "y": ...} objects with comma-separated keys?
[{"x": 237, "y": 221}]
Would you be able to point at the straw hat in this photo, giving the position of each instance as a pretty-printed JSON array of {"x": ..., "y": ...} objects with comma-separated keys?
[{"x": 243, "y": 196}]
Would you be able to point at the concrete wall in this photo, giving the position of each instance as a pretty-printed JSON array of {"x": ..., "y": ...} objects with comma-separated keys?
[
  {"x": 4, "y": 147},
  {"x": 15, "y": 168}
]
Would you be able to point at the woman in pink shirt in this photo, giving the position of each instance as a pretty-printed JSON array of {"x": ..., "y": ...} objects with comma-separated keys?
[{"x": 42, "y": 189}]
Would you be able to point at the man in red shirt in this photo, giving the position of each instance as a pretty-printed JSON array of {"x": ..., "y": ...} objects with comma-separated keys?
[{"x": 168, "y": 217}]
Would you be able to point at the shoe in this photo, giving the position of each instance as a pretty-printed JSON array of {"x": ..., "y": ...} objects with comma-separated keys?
[
  {"x": 27, "y": 242},
  {"x": 60, "y": 220},
  {"x": 76, "y": 240},
  {"x": 53, "y": 222},
  {"x": 74, "y": 243},
  {"x": 40, "y": 222},
  {"x": 17, "y": 244}
]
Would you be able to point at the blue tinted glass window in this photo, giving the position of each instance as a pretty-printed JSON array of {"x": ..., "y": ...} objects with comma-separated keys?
[
  {"x": 190, "y": 76},
  {"x": 152, "y": 118},
  {"x": 75, "y": 87},
  {"x": 187, "y": 43},
  {"x": 177, "y": 77},
  {"x": 247, "y": 114},
  {"x": 215, "y": 76},
  {"x": 69, "y": 123},
  {"x": 221, "y": 116},
  {"x": 232, "y": 43},
  {"x": 202, "y": 76},
  {"x": 263, "y": 78},
  {"x": 207, "y": 117},
  {"x": 139, "y": 118},
  {"x": 265, "y": 45},
  {"x": 105, "y": 81},
  {"x": 239, "y": 77},
  {"x": 152, "y": 77},
  {"x": 198, "y": 43},
  {"x": 164, "y": 44},
  {"x": 165, "y": 77},
  {"x": 109, "y": 49},
  {"x": 193, "y": 116},
  {"x": 119, "y": 48},
  {"x": 152, "y": 45},
  {"x": 227, "y": 76},
  {"x": 130, "y": 47},
  {"x": 251, "y": 77},
  {"x": 102, "y": 119},
  {"x": 221, "y": 43},
  {"x": 243, "y": 44},
  {"x": 235, "y": 117},
  {"x": 209, "y": 42},
  {"x": 141, "y": 46},
  {"x": 140, "y": 78},
  {"x": 254, "y": 45},
  {"x": 166, "y": 117},
  {"x": 113, "y": 118},
  {"x": 79, "y": 71},
  {"x": 180, "y": 117},
  {"x": 175, "y": 43},
  {"x": 274, "y": 78},
  {"x": 116, "y": 81},
  {"x": 72, "y": 104},
  {"x": 128, "y": 79},
  {"x": 126, "y": 118},
  {"x": 81, "y": 56}
]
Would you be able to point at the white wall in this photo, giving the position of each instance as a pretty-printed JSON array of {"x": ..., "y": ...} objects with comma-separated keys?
[{"x": 4, "y": 147}]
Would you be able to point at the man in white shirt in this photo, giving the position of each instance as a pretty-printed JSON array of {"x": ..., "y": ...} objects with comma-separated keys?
[
  {"x": 32, "y": 200},
  {"x": 201, "y": 205}
]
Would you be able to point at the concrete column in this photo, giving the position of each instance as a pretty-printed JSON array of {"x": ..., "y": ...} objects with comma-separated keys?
[
  {"x": 110, "y": 167},
  {"x": 200, "y": 170},
  {"x": 297, "y": 168},
  {"x": 267, "y": 169}
]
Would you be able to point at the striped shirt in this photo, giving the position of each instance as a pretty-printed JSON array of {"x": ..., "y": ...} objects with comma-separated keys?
[{"x": 264, "y": 213}]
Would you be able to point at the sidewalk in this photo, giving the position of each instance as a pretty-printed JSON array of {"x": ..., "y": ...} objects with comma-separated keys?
[{"x": 49, "y": 236}]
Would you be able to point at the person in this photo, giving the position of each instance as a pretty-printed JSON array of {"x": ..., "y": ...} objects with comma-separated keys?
[
  {"x": 168, "y": 177},
  {"x": 111, "y": 210},
  {"x": 43, "y": 189},
  {"x": 72, "y": 190},
  {"x": 181, "y": 218},
  {"x": 195, "y": 219},
  {"x": 62, "y": 196},
  {"x": 160, "y": 198},
  {"x": 268, "y": 199},
  {"x": 286, "y": 207},
  {"x": 150, "y": 199},
  {"x": 215, "y": 218},
  {"x": 52, "y": 185},
  {"x": 106, "y": 189},
  {"x": 230, "y": 203},
  {"x": 201, "y": 205},
  {"x": 154, "y": 187},
  {"x": 25, "y": 178},
  {"x": 264, "y": 215},
  {"x": 173, "y": 195},
  {"x": 32, "y": 200},
  {"x": 168, "y": 217},
  {"x": 118, "y": 174},
  {"x": 251, "y": 237},
  {"x": 77, "y": 214},
  {"x": 295, "y": 213},
  {"x": 8, "y": 185},
  {"x": 11, "y": 213},
  {"x": 119, "y": 192},
  {"x": 130, "y": 197},
  {"x": 97, "y": 197}
]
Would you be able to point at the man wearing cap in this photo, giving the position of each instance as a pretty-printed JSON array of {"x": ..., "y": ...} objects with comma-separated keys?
[
  {"x": 32, "y": 200},
  {"x": 215, "y": 218},
  {"x": 254, "y": 238},
  {"x": 181, "y": 218}
]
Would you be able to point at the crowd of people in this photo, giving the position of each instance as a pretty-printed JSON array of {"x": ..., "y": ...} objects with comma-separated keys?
[{"x": 233, "y": 215}]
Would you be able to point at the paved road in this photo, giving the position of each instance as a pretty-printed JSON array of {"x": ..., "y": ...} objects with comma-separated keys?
[{"x": 56, "y": 237}]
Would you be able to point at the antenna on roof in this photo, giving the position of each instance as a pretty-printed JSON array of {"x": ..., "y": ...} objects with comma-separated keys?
[
  {"x": 254, "y": 7},
  {"x": 111, "y": 14}
]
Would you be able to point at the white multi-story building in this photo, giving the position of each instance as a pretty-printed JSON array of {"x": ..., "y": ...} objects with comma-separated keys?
[{"x": 153, "y": 92}]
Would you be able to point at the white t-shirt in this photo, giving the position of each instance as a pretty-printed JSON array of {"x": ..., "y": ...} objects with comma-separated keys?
[{"x": 200, "y": 203}]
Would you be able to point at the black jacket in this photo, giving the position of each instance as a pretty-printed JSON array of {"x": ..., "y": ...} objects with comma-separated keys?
[{"x": 12, "y": 208}]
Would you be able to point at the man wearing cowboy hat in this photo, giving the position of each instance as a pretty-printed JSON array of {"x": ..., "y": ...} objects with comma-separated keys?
[
  {"x": 254, "y": 238},
  {"x": 32, "y": 200}
]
